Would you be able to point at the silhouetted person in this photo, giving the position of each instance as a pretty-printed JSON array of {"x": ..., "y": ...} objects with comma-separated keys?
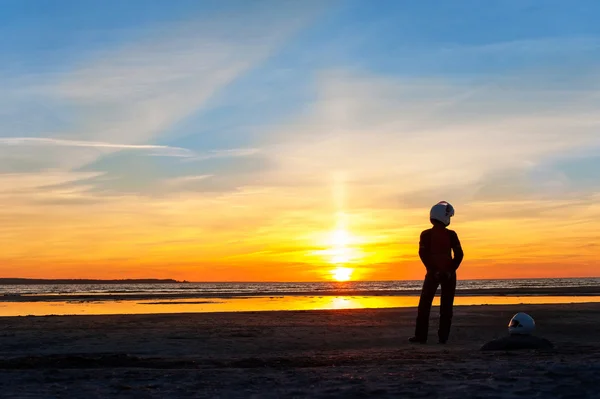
[{"x": 435, "y": 250}]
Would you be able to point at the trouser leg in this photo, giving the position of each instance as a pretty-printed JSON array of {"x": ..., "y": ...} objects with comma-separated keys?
[
  {"x": 430, "y": 286},
  {"x": 448, "y": 287}
]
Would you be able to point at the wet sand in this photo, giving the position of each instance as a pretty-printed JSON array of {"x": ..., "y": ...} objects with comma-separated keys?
[{"x": 303, "y": 354}]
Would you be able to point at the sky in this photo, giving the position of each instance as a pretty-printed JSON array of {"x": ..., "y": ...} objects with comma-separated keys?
[{"x": 284, "y": 140}]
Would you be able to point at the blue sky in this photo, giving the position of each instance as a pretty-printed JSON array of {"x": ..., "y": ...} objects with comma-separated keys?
[
  {"x": 267, "y": 105},
  {"x": 48, "y": 48}
]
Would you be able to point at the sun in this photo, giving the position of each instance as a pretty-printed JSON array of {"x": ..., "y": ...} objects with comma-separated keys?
[
  {"x": 341, "y": 253},
  {"x": 341, "y": 250},
  {"x": 341, "y": 274}
]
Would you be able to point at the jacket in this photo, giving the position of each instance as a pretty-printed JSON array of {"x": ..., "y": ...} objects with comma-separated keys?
[{"x": 436, "y": 246}]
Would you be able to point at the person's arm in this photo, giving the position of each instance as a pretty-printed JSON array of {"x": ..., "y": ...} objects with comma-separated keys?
[
  {"x": 425, "y": 251},
  {"x": 457, "y": 250}
]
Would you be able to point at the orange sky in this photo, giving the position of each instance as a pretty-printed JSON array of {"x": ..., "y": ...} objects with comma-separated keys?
[{"x": 262, "y": 237}]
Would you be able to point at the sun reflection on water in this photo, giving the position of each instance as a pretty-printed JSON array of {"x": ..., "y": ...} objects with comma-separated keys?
[{"x": 260, "y": 304}]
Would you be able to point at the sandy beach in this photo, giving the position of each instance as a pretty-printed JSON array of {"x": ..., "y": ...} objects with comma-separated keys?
[{"x": 302, "y": 354}]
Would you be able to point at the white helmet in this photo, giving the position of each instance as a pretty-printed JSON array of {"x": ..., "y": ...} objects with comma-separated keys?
[
  {"x": 521, "y": 324},
  {"x": 442, "y": 211}
]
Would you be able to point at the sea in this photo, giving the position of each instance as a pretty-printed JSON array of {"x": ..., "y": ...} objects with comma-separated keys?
[
  {"x": 161, "y": 298},
  {"x": 267, "y": 288}
]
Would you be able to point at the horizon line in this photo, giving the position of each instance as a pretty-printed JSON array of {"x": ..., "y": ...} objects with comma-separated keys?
[{"x": 175, "y": 281}]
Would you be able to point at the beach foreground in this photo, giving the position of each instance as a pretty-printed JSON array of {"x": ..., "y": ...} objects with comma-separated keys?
[{"x": 341, "y": 353}]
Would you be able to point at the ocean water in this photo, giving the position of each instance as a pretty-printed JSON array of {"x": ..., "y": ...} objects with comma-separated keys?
[
  {"x": 102, "y": 299},
  {"x": 254, "y": 289}
]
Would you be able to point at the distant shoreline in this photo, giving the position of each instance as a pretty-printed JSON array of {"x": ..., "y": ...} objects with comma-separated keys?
[
  {"x": 72, "y": 281},
  {"x": 37, "y": 281}
]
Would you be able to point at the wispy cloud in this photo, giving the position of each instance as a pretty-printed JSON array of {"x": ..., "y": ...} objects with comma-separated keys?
[
  {"x": 186, "y": 179},
  {"x": 139, "y": 91},
  {"x": 19, "y": 182},
  {"x": 125, "y": 98},
  {"x": 227, "y": 153},
  {"x": 155, "y": 149},
  {"x": 387, "y": 130}
]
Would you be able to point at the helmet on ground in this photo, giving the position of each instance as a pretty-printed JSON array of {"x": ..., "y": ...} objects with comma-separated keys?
[
  {"x": 442, "y": 212},
  {"x": 521, "y": 324}
]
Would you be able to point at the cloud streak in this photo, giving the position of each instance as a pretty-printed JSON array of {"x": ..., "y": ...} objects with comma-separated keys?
[
  {"x": 390, "y": 131},
  {"x": 138, "y": 92},
  {"x": 186, "y": 179},
  {"x": 155, "y": 149},
  {"x": 227, "y": 153}
]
